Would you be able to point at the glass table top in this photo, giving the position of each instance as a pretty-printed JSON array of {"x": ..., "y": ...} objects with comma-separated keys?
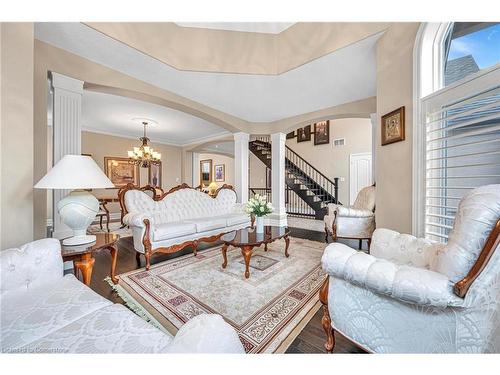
[{"x": 248, "y": 236}]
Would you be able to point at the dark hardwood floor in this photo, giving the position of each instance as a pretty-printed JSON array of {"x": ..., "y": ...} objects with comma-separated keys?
[{"x": 310, "y": 340}]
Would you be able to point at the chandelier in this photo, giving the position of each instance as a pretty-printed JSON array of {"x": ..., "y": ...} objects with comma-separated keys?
[{"x": 144, "y": 155}]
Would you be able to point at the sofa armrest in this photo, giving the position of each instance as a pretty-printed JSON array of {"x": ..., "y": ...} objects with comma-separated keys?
[
  {"x": 33, "y": 264},
  {"x": 332, "y": 209},
  {"x": 404, "y": 248},
  {"x": 206, "y": 333},
  {"x": 405, "y": 283},
  {"x": 135, "y": 219}
]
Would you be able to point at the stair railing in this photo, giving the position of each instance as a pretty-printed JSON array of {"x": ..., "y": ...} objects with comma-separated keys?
[{"x": 313, "y": 177}]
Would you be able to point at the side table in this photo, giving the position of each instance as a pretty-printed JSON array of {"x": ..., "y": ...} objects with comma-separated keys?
[{"x": 83, "y": 259}]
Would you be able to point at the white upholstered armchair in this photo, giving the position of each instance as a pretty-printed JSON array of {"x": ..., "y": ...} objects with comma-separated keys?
[
  {"x": 354, "y": 222},
  {"x": 413, "y": 296}
]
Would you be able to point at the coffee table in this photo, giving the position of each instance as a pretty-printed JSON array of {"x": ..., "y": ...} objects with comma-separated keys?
[
  {"x": 246, "y": 239},
  {"x": 82, "y": 255}
]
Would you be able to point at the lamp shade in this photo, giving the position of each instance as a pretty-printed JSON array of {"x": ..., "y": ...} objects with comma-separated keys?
[{"x": 75, "y": 172}]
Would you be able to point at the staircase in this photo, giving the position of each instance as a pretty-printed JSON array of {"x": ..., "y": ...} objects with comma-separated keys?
[{"x": 311, "y": 186}]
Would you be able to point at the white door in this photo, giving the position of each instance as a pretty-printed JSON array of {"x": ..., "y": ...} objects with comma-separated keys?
[{"x": 360, "y": 174}]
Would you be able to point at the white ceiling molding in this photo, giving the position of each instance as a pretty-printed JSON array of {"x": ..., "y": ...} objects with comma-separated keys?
[
  {"x": 343, "y": 76},
  {"x": 250, "y": 27},
  {"x": 118, "y": 116}
]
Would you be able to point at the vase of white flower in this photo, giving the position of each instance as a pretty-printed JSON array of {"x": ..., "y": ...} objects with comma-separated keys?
[
  {"x": 259, "y": 224},
  {"x": 258, "y": 207}
]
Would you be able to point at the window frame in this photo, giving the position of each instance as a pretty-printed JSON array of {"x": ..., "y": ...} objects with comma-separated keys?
[{"x": 428, "y": 83}]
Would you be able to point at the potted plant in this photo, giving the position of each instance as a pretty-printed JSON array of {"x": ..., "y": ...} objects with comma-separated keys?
[{"x": 258, "y": 207}]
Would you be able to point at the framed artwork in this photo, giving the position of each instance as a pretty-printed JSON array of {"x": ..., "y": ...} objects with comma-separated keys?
[
  {"x": 393, "y": 126},
  {"x": 154, "y": 175},
  {"x": 220, "y": 173},
  {"x": 322, "y": 133},
  {"x": 120, "y": 172},
  {"x": 290, "y": 135},
  {"x": 206, "y": 172},
  {"x": 304, "y": 134}
]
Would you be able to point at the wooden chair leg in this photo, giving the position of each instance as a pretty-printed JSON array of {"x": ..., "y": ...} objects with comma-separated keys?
[
  {"x": 326, "y": 321},
  {"x": 107, "y": 221},
  {"x": 360, "y": 244},
  {"x": 138, "y": 259},
  {"x": 100, "y": 221},
  {"x": 195, "y": 248},
  {"x": 326, "y": 235},
  {"x": 147, "y": 255},
  {"x": 369, "y": 244}
]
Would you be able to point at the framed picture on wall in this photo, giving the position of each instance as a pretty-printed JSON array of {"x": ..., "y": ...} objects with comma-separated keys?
[
  {"x": 220, "y": 173},
  {"x": 304, "y": 134},
  {"x": 206, "y": 172},
  {"x": 322, "y": 133},
  {"x": 120, "y": 172},
  {"x": 290, "y": 135},
  {"x": 393, "y": 126},
  {"x": 154, "y": 175}
]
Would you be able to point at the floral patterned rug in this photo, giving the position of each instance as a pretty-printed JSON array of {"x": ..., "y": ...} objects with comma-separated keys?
[{"x": 268, "y": 310}]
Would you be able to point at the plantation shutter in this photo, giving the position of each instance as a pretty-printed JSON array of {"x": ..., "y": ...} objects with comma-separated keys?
[{"x": 462, "y": 147}]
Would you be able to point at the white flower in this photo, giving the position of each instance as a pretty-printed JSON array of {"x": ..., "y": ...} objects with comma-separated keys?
[{"x": 261, "y": 208}]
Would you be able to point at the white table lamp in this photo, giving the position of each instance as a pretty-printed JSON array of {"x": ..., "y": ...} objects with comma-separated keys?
[{"x": 79, "y": 208}]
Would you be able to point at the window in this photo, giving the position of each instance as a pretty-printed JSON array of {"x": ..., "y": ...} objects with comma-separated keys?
[
  {"x": 462, "y": 148},
  {"x": 470, "y": 47},
  {"x": 457, "y": 134}
]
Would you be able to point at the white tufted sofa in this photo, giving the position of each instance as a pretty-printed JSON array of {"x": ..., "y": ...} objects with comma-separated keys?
[
  {"x": 182, "y": 217},
  {"x": 410, "y": 295},
  {"x": 42, "y": 311},
  {"x": 355, "y": 222}
]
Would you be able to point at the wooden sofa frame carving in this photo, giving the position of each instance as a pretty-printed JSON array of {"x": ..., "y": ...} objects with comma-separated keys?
[
  {"x": 460, "y": 288},
  {"x": 146, "y": 240}
]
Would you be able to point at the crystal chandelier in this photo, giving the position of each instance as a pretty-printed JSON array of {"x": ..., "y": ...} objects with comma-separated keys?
[{"x": 144, "y": 155}]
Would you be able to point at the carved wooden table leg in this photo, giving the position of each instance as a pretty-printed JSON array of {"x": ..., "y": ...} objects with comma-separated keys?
[
  {"x": 326, "y": 321},
  {"x": 246, "y": 251},
  {"x": 265, "y": 247},
  {"x": 85, "y": 265},
  {"x": 224, "y": 255},
  {"x": 114, "y": 254},
  {"x": 287, "y": 242}
]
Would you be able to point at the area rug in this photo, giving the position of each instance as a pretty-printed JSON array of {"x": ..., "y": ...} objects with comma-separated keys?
[{"x": 268, "y": 310}]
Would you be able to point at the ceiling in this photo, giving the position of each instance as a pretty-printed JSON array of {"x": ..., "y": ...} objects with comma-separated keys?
[
  {"x": 114, "y": 115},
  {"x": 342, "y": 76},
  {"x": 223, "y": 147},
  {"x": 252, "y": 27}
]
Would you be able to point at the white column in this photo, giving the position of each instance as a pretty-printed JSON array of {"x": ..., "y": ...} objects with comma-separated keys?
[
  {"x": 373, "y": 118},
  {"x": 195, "y": 169},
  {"x": 67, "y": 115},
  {"x": 278, "y": 179},
  {"x": 241, "y": 166}
]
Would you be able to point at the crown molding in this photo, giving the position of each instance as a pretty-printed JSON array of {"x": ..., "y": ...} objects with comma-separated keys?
[{"x": 175, "y": 144}]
